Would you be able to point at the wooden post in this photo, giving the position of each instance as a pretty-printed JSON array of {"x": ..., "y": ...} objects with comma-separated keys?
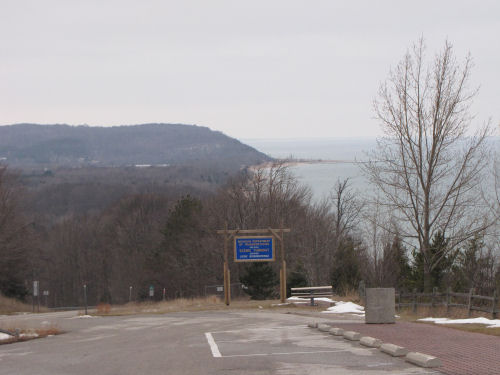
[
  {"x": 283, "y": 267},
  {"x": 433, "y": 301},
  {"x": 414, "y": 300},
  {"x": 227, "y": 292},
  {"x": 228, "y": 285},
  {"x": 494, "y": 311},
  {"x": 362, "y": 292},
  {"x": 281, "y": 283},
  {"x": 448, "y": 297},
  {"x": 471, "y": 291},
  {"x": 276, "y": 233}
]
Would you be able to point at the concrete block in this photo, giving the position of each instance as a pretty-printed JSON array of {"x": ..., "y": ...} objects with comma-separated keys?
[
  {"x": 423, "y": 360},
  {"x": 337, "y": 332},
  {"x": 394, "y": 350},
  {"x": 380, "y": 306},
  {"x": 370, "y": 342},
  {"x": 351, "y": 335},
  {"x": 324, "y": 327},
  {"x": 312, "y": 325}
]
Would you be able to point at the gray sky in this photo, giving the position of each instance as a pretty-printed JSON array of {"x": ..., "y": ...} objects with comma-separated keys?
[{"x": 251, "y": 69}]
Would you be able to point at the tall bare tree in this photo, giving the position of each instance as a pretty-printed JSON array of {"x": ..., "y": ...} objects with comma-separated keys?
[{"x": 427, "y": 166}]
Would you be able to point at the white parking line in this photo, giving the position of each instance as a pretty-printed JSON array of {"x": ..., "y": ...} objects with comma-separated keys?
[
  {"x": 284, "y": 353},
  {"x": 213, "y": 345},
  {"x": 95, "y": 338},
  {"x": 262, "y": 329},
  {"x": 217, "y": 354}
]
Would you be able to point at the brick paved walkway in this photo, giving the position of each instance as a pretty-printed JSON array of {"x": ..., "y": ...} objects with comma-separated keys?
[{"x": 462, "y": 353}]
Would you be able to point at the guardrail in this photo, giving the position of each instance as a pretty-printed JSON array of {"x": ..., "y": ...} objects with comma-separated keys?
[{"x": 449, "y": 299}]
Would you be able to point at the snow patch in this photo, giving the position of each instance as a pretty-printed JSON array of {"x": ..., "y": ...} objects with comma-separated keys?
[
  {"x": 308, "y": 299},
  {"x": 4, "y": 336},
  {"x": 491, "y": 323},
  {"x": 29, "y": 335},
  {"x": 345, "y": 308},
  {"x": 83, "y": 317}
]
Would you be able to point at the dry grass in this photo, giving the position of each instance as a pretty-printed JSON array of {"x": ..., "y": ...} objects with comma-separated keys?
[
  {"x": 351, "y": 295},
  {"x": 184, "y": 304},
  {"x": 199, "y": 304},
  {"x": 477, "y": 328},
  {"x": 26, "y": 334},
  {"x": 439, "y": 311},
  {"x": 12, "y": 305},
  {"x": 210, "y": 303},
  {"x": 454, "y": 313}
]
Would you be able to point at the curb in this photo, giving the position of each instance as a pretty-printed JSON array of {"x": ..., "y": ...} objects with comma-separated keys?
[
  {"x": 419, "y": 359},
  {"x": 394, "y": 350},
  {"x": 370, "y": 342},
  {"x": 352, "y": 336},
  {"x": 336, "y": 332},
  {"x": 423, "y": 360},
  {"x": 324, "y": 327}
]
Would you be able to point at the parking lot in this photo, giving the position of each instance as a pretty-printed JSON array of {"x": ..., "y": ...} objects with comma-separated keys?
[{"x": 219, "y": 342}]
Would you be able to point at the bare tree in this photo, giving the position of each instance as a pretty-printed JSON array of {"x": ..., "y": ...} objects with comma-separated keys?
[
  {"x": 347, "y": 208},
  {"x": 14, "y": 239},
  {"x": 427, "y": 166}
]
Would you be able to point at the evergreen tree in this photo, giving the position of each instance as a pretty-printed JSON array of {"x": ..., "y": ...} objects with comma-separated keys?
[
  {"x": 437, "y": 249},
  {"x": 260, "y": 280},
  {"x": 346, "y": 271},
  {"x": 396, "y": 267},
  {"x": 297, "y": 278},
  {"x": 474, "y": 267}
]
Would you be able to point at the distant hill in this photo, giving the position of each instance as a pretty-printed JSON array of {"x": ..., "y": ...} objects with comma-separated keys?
[{"x": 48, "y": 146}]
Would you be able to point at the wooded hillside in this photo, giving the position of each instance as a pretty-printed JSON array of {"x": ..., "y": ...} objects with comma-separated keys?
[{"x": 30, "y": 146}]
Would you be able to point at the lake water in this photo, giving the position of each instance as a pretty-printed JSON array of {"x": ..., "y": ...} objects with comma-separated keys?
[{"x": 321, "y": 177}]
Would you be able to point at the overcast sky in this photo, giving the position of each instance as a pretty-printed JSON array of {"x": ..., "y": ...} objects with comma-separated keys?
[{"x": 251, "y": 69}]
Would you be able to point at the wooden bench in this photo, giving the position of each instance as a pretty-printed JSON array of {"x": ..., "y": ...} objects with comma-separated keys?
[{"x": 313, "y": 292}]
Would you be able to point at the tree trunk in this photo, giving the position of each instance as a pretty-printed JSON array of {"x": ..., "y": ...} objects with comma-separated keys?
[{"x": 427, "y": 277}]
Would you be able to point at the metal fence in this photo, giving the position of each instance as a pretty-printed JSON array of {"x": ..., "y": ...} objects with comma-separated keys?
[{"x": 237, "y": 290}]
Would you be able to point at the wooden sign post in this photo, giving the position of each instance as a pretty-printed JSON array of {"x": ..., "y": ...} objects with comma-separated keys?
[{"x": 255, "y": 257}]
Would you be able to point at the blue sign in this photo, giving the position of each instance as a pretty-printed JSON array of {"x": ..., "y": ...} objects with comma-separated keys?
[{"x": 251, "y": 249}]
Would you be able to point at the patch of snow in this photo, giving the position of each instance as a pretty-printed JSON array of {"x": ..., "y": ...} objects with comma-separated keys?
[
  {"x": 4, "y": 336},
  {"x": 345, "y": 308},
  {"x": 82, "y": 317},
  {"x": 491, "y": 323},
  {"x": 29, "y": 335},
  {"x": 435, "y": 320},
  {"x": 308, "y": 299}
]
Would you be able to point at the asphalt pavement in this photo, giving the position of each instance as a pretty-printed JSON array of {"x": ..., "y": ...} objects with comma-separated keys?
[{"x": 216, "y": 342}]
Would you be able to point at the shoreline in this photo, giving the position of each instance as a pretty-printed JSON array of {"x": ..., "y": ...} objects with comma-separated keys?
[{"x": 297, "y": 162}]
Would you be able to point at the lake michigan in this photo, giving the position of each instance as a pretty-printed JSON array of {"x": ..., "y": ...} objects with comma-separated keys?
[{"x": 341, "y": 156}]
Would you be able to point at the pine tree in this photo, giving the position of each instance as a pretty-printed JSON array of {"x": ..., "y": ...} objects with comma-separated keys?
[{"x": 260, "y": 280}]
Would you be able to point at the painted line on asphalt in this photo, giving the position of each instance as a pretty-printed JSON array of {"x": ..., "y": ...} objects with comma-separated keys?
[
  {"x": 95, "y": 338},
  {"x": 284, "y": 353},
  {"x": 259, "y": 339},
  {"x": 261, "y": 329},
  {"x": 213, "y": 345}
]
